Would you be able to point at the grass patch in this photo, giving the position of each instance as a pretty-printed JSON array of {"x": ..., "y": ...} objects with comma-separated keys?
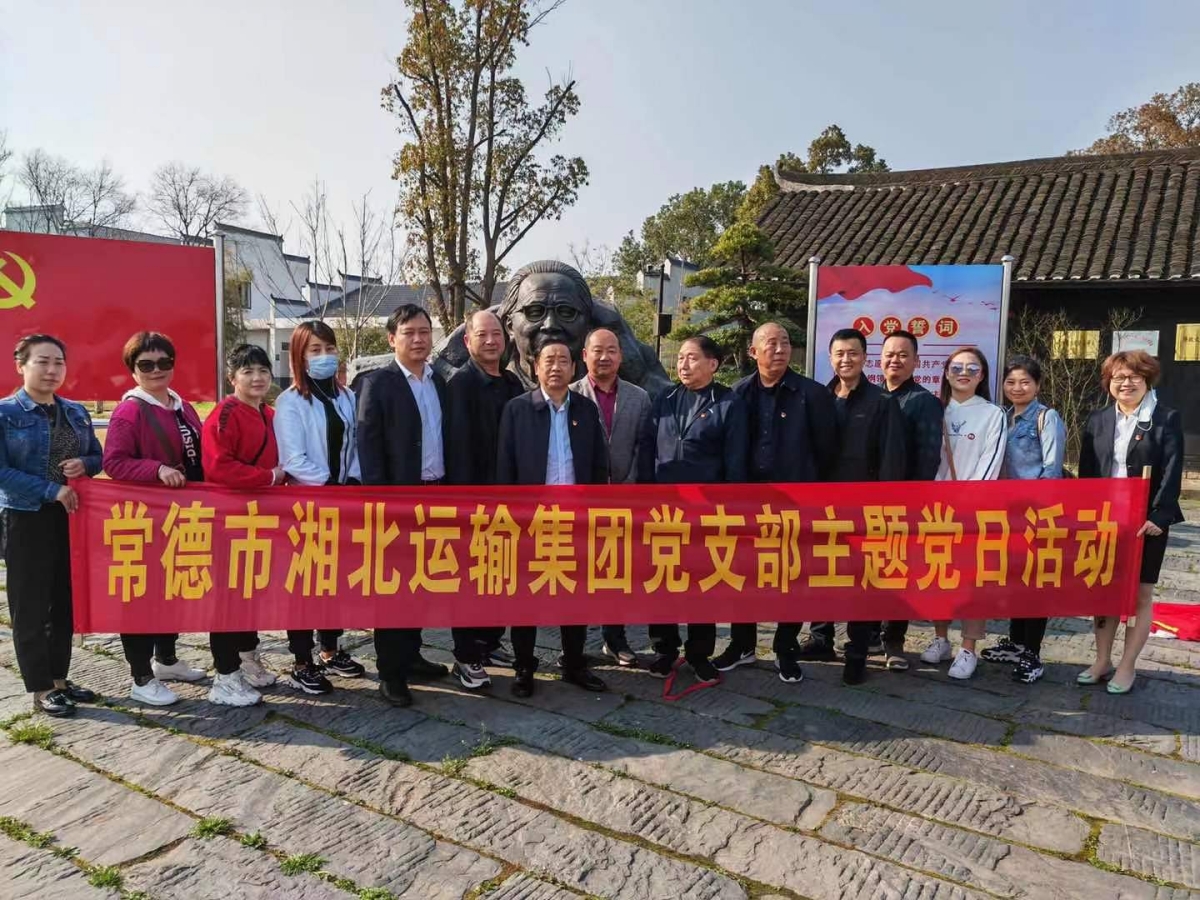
[
  {"x": 299, "y": 863},
  {"x": 106, "y": 877},
  {"x": 211, "y": 827},
  {"x": 13, "y": 720},
  {"x": 454, "y": 766},
  {"x": 641, "y": 734},
  {"x": 37, "y": 733},
  {"x": 254, "y": 841},
  {"x": 375, "y": 893},
  {"x": 19, "y": 831},
  {"x": 1009, "y": 733}
]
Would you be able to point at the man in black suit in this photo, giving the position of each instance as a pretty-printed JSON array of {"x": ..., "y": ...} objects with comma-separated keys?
[
  {"x": 478, "y": 393},
  {"x": 552, "y": 436},
  {"x": 401, "y": 440},
  {"x": 696, "y": 434}
]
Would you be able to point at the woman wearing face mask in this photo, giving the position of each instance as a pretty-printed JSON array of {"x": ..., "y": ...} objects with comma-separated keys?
[
  {"x": 316, "y": 431},
  {"x": 1036, "y": 440},
  {"x": 45, "y": 440},
  {"x": 1118, "y": 442},
  {"x": 154, "y": 438},
  {"x": 973, "y": 442}
]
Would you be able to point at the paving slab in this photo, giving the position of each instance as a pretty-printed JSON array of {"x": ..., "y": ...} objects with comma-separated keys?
[
  {"x": 524, "y": 887},
  {"x": 1153, "y": 855},
  {"x": 37, "y": 874}
]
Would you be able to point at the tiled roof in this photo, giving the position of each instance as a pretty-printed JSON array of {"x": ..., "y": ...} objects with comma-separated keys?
[
  {"x": 380, "y": 301},
  {"x": 1126, "y": 216}
]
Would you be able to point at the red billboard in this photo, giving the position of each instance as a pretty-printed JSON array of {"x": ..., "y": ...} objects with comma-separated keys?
[{"x": 93, "y": 294}]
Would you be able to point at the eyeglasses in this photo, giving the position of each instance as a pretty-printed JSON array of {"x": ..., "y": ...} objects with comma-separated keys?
[
  {"x": 1132, "y": 379},
  {"x": 564, "y": 312},
  {"x": 967, "y": 369},
  {"x": 163, "y": 364}
]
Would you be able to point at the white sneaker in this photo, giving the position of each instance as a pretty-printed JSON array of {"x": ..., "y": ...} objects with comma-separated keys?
[
  {"x": 938, "y": 651},
  {"x": 253, "y": 671},
  {"x": 177, "y": 671},
  {"x": 232, "y": 690},
  {"x": 964, "y": 665},
  {"x": 153, "y": 693}
]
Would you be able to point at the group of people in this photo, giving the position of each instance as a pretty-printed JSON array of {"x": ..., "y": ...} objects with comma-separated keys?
[{"x": 405, "y": 425}]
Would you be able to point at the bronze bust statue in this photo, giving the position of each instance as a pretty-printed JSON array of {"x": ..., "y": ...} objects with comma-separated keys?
[{"x": 546, "y": 299}]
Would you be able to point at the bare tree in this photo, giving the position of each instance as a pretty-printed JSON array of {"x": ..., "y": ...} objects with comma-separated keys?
[
  {"x": 189, "y": 202},
  {"x": 73, "y": 200}
]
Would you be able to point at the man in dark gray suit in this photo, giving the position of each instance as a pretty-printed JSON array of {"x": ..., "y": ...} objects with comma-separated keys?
[{"x": 623, "y": 408}]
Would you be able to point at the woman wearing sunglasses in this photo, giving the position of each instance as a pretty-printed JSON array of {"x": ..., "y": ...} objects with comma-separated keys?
[
  {"x": 1118, "y": 442},
  {"x": 1036, "y": 440},
  {"x": 973, "y": 443},
  {"x": 45, "y": 440},
  {"x": 154, "y": 438}
]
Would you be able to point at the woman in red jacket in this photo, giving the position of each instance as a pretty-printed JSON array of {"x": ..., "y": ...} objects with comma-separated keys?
[{"x": 239, "y": 451}]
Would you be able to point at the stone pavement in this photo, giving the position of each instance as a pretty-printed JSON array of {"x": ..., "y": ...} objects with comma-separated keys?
[{"x": 910, "y": 787}]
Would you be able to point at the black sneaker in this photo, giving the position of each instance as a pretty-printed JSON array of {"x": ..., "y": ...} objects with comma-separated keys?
[
  {"x": 342, "y": 665},
  {"x": 789, "y": 670},
  {"x": 56, "y": 703},
  {"x": 815, "y": 648},
  {"x": 79, "y": 694},
  {"x": 620, "y": 653},
  {"x": 585, "y": 679},
  {"x": 1029, "y": 668},
  {"x": 472, "y": 676},
  {"x": 855, "y": 670},
  {"x": 498, "y": 656},
  {"x": 1004, "y": 651},
  {"x": 731, "y": 657},
  {"x": 396, "y": 693},
  {"x": 423, "y": 668},
  {"x": 310, "y": 679},
  {"x": 706, "y": 672},
  {"x": 662, "y": 664},
  {"x": 522, "y": 685}
]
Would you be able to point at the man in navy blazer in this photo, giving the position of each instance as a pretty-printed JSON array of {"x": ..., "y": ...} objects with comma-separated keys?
[{"x": 552, "y": 436}]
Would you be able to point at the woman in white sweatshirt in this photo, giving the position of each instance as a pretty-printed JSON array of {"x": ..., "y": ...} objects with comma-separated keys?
[{"x": 973, "y": 442}]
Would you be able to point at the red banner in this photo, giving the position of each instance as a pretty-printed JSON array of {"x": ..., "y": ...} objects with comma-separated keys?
[
  {"x": 93, "y": 294},
  {"x": 146, "y": 559}
]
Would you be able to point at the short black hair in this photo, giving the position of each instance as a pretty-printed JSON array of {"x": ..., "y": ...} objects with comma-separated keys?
[
  {"x": 1025, "y": 363},
  {"x": 848, "y": 334},
  {"x": 549, "y": 342},
  {"x": 705, "y": 345},
  {"x": 406, "y": 313},
  {"x": 245, "y": 355},
  {"x": 25, "y": 345},
  {"x": 907, "y": 335}
]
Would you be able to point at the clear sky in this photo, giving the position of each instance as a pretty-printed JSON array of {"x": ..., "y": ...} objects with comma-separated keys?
[{"x": 676, "y": 93}]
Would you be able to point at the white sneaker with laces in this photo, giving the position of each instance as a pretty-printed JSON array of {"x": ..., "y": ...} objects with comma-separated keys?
[
  {"x": 964, "y": 665},
  {"x": 938, "y": 651},
  {"x": 232, "y": 690},
  {"x": 153, "y": 693},
  {"x": 254, "y": 673},
  {"x": 177, "y": 671}
]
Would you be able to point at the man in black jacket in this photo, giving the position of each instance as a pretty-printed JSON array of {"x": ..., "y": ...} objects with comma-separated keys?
[
  {"x": 477, "y": 394},
  {"x": 401, "y": 440},
  {"x": 696, "y": 434},
  {"x": 922, "y": 413},
  {"x": 552, "y": 436},
  {"x": 872, "y": 448},
  {"x": 791, "y": 440}
]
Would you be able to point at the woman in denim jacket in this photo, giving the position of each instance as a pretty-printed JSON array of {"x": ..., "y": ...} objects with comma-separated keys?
[
  {"x": 44, "y": 441},
  {"x": 1036, "y": 441}
]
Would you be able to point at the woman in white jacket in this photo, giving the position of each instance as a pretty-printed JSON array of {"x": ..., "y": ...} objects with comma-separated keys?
[
  {"x": 315, "y": 427},
  {"x": 973, "y": 442}
]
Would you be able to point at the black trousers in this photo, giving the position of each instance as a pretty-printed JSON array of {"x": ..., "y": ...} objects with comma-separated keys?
[
  {"x": 701, "y": 640},
  {"x": 395, "y": 650},
  {"x": 1028, "y": 633},
  {"x": 301, "y": 643},
  {"x": 860, "y": 635},
  {"x": 39, "y": 594},
  {"x": 469, "y": 643},
  {"x": 524, "y": 638},
  {"x": 743, "y": 636},
  {"x": 891, "y": 632},
  {"x": 139, "y": 648},
  {"x": 614, "y": 635},
  {"x": 226, "y": 649}
]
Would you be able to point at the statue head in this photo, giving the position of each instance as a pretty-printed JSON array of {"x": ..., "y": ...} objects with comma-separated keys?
[{"x": 546, "y": 300}]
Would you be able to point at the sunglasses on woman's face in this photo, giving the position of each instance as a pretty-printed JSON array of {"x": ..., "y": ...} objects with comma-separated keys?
[
  {"x": 965, "y": 369},
  {"x": 163, "y": 364}
]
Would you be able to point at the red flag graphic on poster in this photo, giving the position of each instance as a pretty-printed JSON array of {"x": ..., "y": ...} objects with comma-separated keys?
[{"x": 93, "y": 293}]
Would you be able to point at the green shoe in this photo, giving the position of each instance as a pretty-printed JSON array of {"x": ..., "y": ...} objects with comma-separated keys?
[
  {"x": 1114, "y": 688},
  {"x": 1087, "y": 679}
]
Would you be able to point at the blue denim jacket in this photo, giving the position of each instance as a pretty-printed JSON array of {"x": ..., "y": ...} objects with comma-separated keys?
[
  {"x": 25, "y": 450},
  {"x": 1029, "y": 455}
]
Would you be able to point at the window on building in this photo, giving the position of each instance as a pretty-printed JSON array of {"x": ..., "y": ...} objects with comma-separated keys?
[
  {"x": 1076, "y": 345},
  {"x": 244, "y": 294}
]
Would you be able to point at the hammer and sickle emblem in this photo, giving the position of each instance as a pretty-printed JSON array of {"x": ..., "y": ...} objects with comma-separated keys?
[{"x": 12, "y": 294}]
